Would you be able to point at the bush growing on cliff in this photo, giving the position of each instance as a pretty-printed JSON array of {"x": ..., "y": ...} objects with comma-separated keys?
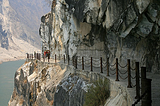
[{"x": 97, "y": 93}]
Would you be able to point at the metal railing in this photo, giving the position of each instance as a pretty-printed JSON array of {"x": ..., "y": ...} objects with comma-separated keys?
[{"x": 84, "y": 63}]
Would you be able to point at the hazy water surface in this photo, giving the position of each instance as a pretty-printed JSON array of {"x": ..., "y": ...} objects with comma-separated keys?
[{"x": 7, "y": 72}]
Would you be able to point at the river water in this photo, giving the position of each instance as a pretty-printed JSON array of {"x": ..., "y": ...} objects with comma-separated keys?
[{"x": 7, "y": 72}]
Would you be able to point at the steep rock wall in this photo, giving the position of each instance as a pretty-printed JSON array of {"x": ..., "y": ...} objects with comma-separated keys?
[
  {"x": 124, "y": 29},
  {"x": 40, "y": 84}
]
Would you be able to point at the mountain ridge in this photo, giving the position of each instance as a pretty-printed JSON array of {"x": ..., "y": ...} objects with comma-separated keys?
[{"x": 19, "y": 24}]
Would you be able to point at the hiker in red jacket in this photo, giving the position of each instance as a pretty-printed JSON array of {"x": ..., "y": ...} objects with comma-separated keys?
[{"x": 44, "y": 56}]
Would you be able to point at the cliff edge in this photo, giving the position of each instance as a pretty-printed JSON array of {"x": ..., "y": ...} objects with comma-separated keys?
[
  {"x": 38, "y": 83},
  {"x": 47, "y": 85}
]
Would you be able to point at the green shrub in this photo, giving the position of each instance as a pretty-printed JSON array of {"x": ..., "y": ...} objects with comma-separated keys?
[{"x": 97, "y": 93}]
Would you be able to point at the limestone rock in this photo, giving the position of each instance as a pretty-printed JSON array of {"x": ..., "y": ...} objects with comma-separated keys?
[
  {"x": 145, "y": 27},
  {"x": 70, "y": 92},
  {"x": 142, "y": 5},
  {"x": 100, "y": 28},
  {"x": 57, "y": 87}
]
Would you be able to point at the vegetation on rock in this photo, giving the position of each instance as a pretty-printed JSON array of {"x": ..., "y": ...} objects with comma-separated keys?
[{"x": 97, "y": 93}]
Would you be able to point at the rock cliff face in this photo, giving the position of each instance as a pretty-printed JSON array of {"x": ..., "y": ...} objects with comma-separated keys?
[
  {"x": 39, "y": 84},
  {"x": 124, "y": 29}
]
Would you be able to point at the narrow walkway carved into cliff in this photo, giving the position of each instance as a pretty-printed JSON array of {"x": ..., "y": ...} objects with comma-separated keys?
[{"x": 102, "y": 67}]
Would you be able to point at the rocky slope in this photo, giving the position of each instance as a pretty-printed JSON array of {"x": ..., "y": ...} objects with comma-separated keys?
[
  {"x": 38, "y": 84},
  {"x": 19, "y": 23},
  {"x": 124, "y": 29}
]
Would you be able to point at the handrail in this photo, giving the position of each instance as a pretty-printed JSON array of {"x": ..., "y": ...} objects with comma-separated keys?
[{"x": 104, "y": 65}]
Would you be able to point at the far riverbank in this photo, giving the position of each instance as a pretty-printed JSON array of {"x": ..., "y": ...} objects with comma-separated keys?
[{"x": 12, "y": 59}]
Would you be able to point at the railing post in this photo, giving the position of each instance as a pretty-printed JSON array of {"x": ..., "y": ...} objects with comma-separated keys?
[
  {"x": 82, "y": 63},
  {"x": 48, "y": 56},
  {"x": 73, "y": 63},
  {"x": 107, "y": 66},
  {"x": 40, "y": 56},
  {"x": 76, "y": 62},
  {"x": 64, "y": 58},
  {"x": 43, "y": 58},
  {"x": 143, "y": 72},
  {"x": 129, "y": 74},
  {"x": 27, "y": 56},
  {"x": 101, "y": 65},
  {"x": 55, "y": 58},
  {"x": 37, "y": 56},
  {"x": 91, "y": 64},
  {"x": 68, "y": 59},
  {"x": 146, "y": 88},
  {"x": 137, "y": 81},
  {"x": 117, "y": 79}
]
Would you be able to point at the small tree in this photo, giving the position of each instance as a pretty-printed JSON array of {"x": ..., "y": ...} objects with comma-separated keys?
[{"x": 97, "y": 93}]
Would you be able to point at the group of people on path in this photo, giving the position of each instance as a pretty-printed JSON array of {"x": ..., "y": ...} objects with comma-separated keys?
[{"x": 46, "y": 54}]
